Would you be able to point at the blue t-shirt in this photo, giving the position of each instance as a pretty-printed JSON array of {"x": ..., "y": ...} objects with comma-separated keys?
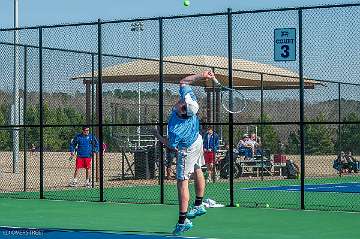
[
  {"x": 84, "y": 145},
  {"x": 183, "y": 132},
  {"x": 211, "y": 141}
]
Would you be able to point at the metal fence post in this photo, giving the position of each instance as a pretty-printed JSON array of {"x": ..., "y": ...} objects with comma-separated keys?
[
  {"x": 16, "y": 96},
  {"x": 100, "y": 119},
  {"x": 302, "y": 124},
  {"x": 213, "y": 107},
  {"x": 41, "y": 116},
  {"x": 339, "y": 117},
  {"x": 231, "y": 119},
  {"x": 161, "y": 106},
  {"x": 262, "y": 120},
  {"x": 24, "y": 118},
  {"x": 92, "y": 116}
]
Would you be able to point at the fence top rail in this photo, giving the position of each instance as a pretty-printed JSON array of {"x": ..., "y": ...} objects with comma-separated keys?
[{"x": 183, "y": 16}]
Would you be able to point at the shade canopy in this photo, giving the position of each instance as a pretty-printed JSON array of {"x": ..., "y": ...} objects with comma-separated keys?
[{"x": 246, "y": 74}]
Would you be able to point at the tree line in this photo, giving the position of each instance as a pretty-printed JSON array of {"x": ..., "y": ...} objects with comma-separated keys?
[{"x": 319, "y": 138}]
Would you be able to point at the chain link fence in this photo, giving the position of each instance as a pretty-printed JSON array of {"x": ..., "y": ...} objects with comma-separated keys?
[{"x": 121, "y": 79}]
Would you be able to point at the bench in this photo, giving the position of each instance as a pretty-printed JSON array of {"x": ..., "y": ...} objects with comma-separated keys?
[{"x": 255, "y": 166}]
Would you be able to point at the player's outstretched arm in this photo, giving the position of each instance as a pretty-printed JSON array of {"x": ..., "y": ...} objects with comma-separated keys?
[{"x": 204, "y": 75}]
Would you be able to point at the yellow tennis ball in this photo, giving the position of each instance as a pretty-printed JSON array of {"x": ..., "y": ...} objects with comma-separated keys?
[
  {"x": 237, "y": 205},
  {"x": 267, "y": 205},
  {"x": 186, "y": 3}
]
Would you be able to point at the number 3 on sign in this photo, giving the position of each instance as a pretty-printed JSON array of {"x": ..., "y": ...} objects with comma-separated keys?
[
  {"x": 285, "y": 49},
  {"x": 285, "y": 44}
]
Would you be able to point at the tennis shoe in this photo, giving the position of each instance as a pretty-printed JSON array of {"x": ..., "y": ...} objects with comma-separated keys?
[
  {"x": 180, "y": 228},
  {"x": 196, "y": 211},
  {"x": 72, "y": 183}
]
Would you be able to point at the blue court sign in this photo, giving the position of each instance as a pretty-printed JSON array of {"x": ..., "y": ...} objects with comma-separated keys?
[{"x": 285, "y": 44}]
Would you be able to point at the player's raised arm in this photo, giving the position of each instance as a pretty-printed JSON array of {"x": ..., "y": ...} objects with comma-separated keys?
[{"x": 204, "y": 75}]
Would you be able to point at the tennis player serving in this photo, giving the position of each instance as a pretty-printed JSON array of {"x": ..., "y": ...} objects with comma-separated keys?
[{"x": 184, "y": 137}]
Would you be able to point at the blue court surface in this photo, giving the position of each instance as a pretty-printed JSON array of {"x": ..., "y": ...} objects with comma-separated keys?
[
  {"x": 32, "y": 233},
  {"x": 353, "y": 187}
]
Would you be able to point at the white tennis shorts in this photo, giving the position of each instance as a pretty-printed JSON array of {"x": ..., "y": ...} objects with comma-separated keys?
[{"x": 190, "y": 159}]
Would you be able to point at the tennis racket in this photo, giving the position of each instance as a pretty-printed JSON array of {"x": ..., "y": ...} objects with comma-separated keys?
[{"x": 232, "y": 100}]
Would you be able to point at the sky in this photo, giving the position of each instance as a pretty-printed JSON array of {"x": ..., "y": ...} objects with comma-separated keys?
[{"x": 48, "y": 12}]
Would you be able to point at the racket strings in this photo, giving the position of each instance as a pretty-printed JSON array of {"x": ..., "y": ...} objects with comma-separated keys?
[{"x": 233, "y": 100}]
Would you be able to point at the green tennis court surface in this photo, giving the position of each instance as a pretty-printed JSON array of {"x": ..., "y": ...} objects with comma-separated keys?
[
  {"x": 73, "y": 219},
  {"x": 254, "y": 193},
  {"x": 158, "y": 220},
  {"x": 33, "y": 233}
]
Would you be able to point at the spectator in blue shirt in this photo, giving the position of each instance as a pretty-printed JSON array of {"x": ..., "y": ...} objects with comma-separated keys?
[
  {"x": 83, "y": 146},
  {"x": 211, "y": 146}
]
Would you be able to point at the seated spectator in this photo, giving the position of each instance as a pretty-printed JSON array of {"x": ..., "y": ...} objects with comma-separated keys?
[
  {"x": 341, "y": 164},
  {"x": 249, "y": 146},
  {"x": 292, "y": 169},
  {"x": 352, "y": 163},
  {"x": 244, "y": 147}
]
